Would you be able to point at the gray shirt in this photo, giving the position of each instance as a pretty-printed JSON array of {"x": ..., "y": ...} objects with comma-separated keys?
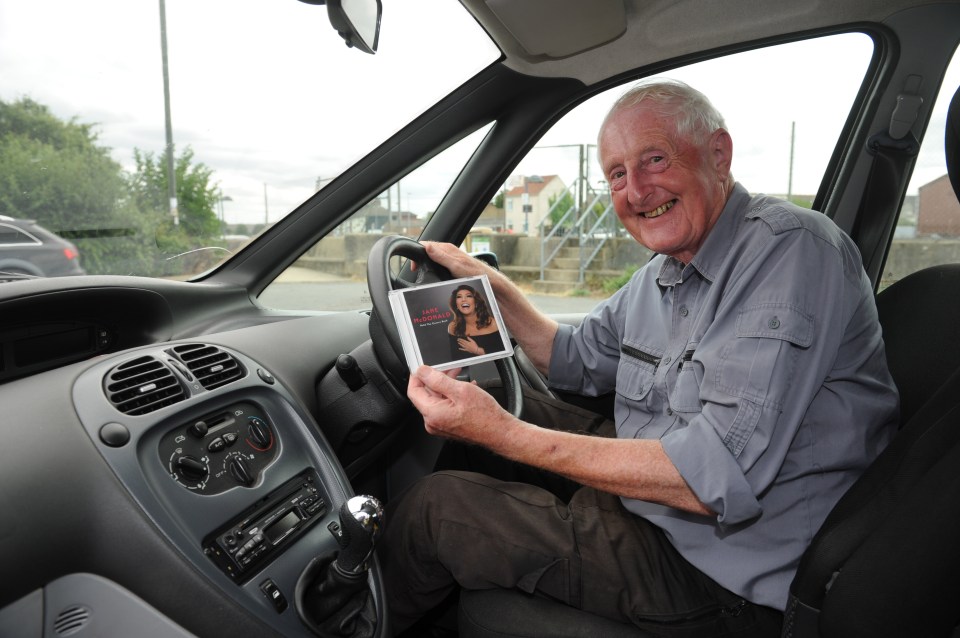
[{"x": 760, "y": 367}]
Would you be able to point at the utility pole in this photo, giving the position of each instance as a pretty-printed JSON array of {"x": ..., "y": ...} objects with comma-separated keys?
[
  {"x": 793, "y": 128},
  {"x": 171, "y": 174},
  {"x": 266, "y": 209}
]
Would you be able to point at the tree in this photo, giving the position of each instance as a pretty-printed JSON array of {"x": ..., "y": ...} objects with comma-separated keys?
[
  {"x": 53, "y": 171},
  {"x": 56, "y": 173},
  {"x": 558, "y": 210},
  {"x": 196, "y": 196}
]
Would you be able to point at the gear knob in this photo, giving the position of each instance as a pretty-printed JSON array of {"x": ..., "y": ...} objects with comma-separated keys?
[{"x": 361, "y": 520}]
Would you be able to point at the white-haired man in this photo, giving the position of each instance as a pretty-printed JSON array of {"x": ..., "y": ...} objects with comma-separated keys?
[{"x": 751, "y": 389}]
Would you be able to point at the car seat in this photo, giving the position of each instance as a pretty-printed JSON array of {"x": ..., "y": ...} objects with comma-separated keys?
[{"x": 886, "y": 562}]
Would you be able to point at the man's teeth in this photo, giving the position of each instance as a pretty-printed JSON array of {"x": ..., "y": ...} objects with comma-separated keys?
[{"x": 660, "y": 210}]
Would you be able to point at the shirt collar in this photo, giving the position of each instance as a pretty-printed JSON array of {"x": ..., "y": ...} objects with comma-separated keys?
[{"x": 712, "y": 253}]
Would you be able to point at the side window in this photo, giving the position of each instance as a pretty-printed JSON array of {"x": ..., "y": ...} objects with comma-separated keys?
[
  {"x": 928, "y": 229},
  {"x": 553, "y": 220},
  {"x": 332, "y": 275},
  {"x": 10, "y": 236}
]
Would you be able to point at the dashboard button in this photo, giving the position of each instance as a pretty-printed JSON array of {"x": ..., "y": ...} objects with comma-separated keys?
[
  {"x": 198, "y": 429},
  {"x": 274, "y": 595},
  {"x": 115, "y": 434}
]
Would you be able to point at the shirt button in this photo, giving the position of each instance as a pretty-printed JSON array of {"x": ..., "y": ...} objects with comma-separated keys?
[
  {"x": 683, "y": 311},
  {"x": 669, "y": 412},
  {"x": 774, "y": 323},
  {"x": 666, "y": 361}
]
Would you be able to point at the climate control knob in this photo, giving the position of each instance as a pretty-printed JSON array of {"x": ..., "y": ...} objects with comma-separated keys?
[
  {"x": 260, "y": 435},
  {"x": 190, "y": 469},
  {"x": 240, "y": 470}
]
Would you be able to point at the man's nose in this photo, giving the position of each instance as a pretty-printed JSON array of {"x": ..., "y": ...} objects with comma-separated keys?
[{"x": 639, "y": 188}]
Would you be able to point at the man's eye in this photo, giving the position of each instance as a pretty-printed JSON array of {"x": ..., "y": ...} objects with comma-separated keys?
[{"x": 656, "y": 163}]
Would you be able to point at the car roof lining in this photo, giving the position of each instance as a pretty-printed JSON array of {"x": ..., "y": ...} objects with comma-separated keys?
[{"x": 645, "y": 36}]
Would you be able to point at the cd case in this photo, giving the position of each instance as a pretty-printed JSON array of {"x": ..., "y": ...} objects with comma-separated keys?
[{"x": 450, "y": 324}]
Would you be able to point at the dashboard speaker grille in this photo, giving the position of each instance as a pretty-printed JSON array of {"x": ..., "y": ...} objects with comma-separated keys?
[
  {"x": 71, "y": 620},
  {"x": 212, "y": 366},
  {"x": 142, "y": 386}
]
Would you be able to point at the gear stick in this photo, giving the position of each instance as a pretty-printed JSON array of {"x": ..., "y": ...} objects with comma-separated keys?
[
  {"x": 361, "y": 519},
  {"x": 332, "y": 595}
]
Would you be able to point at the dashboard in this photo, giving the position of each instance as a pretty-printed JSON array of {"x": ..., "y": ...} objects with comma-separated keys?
[{"x": 176, "y": 457}]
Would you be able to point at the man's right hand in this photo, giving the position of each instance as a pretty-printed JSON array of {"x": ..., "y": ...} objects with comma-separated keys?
[{"x": 459, "y": 263}]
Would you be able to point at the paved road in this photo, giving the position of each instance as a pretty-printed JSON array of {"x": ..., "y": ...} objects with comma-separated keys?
[{"x": 304, "y": 289}]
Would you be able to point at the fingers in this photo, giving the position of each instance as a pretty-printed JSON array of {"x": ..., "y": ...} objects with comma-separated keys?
[
  {"x": 459, "y": 263},
  {"x": 435, "y": 381}
]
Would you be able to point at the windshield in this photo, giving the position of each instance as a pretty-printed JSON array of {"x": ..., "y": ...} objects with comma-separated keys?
[{"x": 265, "y": 104}]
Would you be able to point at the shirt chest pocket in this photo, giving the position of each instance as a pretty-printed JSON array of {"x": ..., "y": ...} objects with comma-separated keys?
[
  {"x": 635, "y": 379},
  {"x": 758, "y": 363}
]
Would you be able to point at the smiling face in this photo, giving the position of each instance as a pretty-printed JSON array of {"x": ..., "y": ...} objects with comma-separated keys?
[
  {"x": 465, "y": 302},
  {"x": 667, "y": 191}
]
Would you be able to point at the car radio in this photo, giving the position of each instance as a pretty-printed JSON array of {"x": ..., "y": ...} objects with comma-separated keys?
[{"x": 266, "y": 528}]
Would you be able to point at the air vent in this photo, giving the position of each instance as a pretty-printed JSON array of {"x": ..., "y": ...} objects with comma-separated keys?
[
  {"x": 71, "y": 620},
  {"x": 142, "y": 386},
  {"x": 212, "y": 366}
]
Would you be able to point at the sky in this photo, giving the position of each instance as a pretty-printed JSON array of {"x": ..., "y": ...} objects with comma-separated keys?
[{"x": 268, "y": 96}]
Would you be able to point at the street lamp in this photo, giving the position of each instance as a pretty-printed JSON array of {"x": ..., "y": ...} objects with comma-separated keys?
[
  {"x": 220, "y": 199},
  {"x": 171, "y": 174}
]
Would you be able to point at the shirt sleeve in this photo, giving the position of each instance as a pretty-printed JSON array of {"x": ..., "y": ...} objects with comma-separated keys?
[
  {"x": 584, "y": 359},
  {"x": 762, "y": 362}
]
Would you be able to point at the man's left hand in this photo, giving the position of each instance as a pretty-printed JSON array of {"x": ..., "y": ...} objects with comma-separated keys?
[{"x": 457, "y": 410}]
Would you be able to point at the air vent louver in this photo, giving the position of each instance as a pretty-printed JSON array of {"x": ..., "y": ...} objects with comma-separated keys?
[
  {"x": 71, "y": 620},
  {"x": 142, "y": 386},
  {"x": 212, "y": 366}
]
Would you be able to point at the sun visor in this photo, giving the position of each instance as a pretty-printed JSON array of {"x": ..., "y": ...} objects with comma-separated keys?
[{"x": 556, "y": 29}]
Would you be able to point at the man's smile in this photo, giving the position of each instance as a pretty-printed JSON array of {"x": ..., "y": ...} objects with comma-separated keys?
[{"x": 659, "y": 210}]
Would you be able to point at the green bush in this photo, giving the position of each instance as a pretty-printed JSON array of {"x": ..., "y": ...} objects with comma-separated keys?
[{"x": 614, "y": 284}]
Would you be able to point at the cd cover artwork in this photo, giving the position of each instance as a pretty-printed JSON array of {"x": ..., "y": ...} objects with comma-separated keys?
[{"x": 450, "y": 324}]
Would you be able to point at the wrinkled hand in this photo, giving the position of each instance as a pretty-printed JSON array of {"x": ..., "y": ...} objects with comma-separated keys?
[
  {"x": 459, "y": 263},
  {"x": 457, "y": 410}
]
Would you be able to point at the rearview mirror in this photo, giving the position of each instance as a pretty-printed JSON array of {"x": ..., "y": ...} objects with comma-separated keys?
[{"x": 357, "y": 21}]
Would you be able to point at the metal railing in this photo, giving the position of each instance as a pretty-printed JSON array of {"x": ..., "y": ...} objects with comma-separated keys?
[{"x": 590, "y": 225}]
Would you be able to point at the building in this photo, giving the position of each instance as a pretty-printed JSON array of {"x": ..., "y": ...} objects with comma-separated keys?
[
  {"x": 527, "y": 201},
  {"x": 493, "y": 218},
  {"x": 939, "y": 211}
]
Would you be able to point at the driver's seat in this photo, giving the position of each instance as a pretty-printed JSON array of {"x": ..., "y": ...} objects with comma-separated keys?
[{"x": 886, "y": 562}]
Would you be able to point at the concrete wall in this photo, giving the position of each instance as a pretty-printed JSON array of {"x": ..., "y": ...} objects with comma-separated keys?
[
  {"x": 519, "y": 256},
  {"x": 910, "y": 255},
  {"x": 345, "y": 256}
]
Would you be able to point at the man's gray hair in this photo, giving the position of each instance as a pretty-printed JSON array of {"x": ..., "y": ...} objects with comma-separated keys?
[{"x": 696, "y": 118}]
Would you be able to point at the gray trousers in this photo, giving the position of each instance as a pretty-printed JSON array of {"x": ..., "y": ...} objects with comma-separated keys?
[{"x": 513, "y": 526}]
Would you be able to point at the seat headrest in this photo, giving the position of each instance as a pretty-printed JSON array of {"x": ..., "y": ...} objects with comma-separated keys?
[{"x": 952, "y": 142}]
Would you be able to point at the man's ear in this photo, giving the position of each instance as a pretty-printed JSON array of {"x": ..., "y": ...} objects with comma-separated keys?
[{"x": 721, "y": 151}]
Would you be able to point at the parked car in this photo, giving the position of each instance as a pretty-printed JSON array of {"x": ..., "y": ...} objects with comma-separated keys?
[
  {"x": 179, "y": 446},
  {"x": 31, "y": 250}
]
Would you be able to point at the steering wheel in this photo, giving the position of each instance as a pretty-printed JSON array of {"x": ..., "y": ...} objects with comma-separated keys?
[{"x": 383, "y": 327}]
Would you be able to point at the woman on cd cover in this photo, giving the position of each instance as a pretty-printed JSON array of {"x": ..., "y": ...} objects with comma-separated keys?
[{"x": 473, "y": 330}]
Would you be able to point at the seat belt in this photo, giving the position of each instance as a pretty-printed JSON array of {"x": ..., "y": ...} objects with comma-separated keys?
[{"x": 894, "y": 153}]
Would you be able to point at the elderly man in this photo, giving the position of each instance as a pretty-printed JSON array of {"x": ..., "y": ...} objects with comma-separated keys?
[{"x": 751, "y": 391}]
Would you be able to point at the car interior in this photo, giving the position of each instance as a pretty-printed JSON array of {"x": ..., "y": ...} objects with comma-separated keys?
[{"x": 190, "y": 455}]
